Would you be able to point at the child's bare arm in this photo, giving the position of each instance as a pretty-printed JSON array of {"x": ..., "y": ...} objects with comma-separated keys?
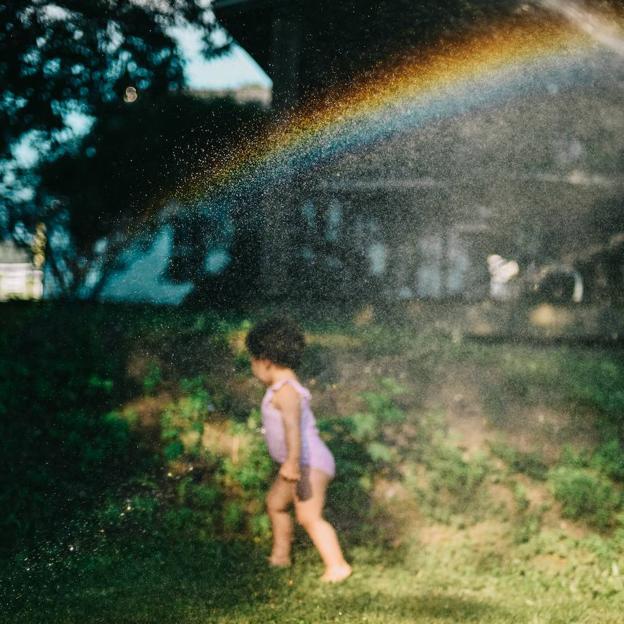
[{"x": 288, "y": 402}]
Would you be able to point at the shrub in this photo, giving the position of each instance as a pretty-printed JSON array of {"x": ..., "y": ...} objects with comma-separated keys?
[
  {"x": 371, "y": 430},
  {"x": 454, "y": 482},
  {"x": 609, "y": 459},
  {"x": 250, "y": 471},
  {"x": 152, "y": 379},
  {"x": 585, "y": 495},
  {"x": 182, "y": 423}
]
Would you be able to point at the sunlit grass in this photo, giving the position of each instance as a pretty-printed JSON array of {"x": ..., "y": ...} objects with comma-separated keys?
[
  {"x": 436, "y": 532},
  {"x": 552, "y": 579}
]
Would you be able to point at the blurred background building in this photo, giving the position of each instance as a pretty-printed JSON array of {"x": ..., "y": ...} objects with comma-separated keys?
[
  {"x": 20, "y": 278},
  {"x": 536, "y": 180}
]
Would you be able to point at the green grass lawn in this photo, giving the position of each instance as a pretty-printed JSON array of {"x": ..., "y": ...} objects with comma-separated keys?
[
  {"x": 189, "y": 582},
  {"x": 477, "y": 482}
]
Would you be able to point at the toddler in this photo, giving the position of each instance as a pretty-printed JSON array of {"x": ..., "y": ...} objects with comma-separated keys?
[{"x": 306, "y": 464}]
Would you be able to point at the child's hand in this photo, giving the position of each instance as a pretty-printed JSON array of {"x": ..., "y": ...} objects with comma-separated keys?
[{"x": 290, "y": 471}]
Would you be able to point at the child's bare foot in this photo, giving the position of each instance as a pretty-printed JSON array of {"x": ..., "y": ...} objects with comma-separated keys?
[
  {"x": 336, "y": 574},
  {"x": 278, "y": 562}
]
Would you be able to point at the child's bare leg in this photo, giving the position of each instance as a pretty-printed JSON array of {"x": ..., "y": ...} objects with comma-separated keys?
[
  {"x": 279, "y": 498},
  {"x": 310, "y": 516}
]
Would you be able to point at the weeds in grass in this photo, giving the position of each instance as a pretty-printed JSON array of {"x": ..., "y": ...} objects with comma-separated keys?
[
  {"x": 527, "y": 522},
  {"x": 530, "y": 464},
  {"x": 452, "y": 483},
  {"x": 609, "y": 459}
]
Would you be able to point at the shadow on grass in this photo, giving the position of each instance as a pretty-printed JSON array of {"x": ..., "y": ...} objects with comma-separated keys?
[
  {"x": 364, "y": 606},
  {"x": 138, "y": 582},
  {"x": 164, "y": 581},
  {"x": 418, "y": 608}
]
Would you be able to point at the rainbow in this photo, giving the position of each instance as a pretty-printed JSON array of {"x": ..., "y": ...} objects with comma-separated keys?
[{"x": 510, "y": 59}]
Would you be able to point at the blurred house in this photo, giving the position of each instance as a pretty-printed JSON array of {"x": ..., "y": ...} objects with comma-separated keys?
[
  {"x": 352, "y": 227},
  {"x": 164, "y": 268},
  {"x": 417, "y": 215},
  {"x": 19, "y": 276},
  {"x": 601, "y": 269},
  {"x": 245, "y": 94}
]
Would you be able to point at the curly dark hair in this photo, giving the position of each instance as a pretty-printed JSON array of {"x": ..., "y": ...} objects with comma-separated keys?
[{"x": 279, "y": 340}]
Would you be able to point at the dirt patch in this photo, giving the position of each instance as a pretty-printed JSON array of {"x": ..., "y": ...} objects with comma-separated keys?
[
  {"x": 356, "y": 375},
  {"x": 551, "y": 564},
  {"x": 457, "y": 395},
  {"x": 334, "y": 341},
  {"x": 397, "y": 510},
  {"x": 503, "y": 496},
  {"x": 217, "y": 440},
  {"x": 343, "y": 396},
  {"x": 538, "y": 429},
  {"x": 488, "y": 534},
  {"x": 180, "y": 356},
  {"x": 386, "y": 490},
  {"x": 144, "y": 413},
  {"x": 470, "y": 433},
  {"x": 545, "y": 430},
  {"x": 438, "y": 534},
  {"x": 542, "y": 502},
  {"x": 536, "y": 493}
]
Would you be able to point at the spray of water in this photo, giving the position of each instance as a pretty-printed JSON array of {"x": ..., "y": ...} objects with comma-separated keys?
[
  {"x": 409, "y": 93},
  {"x": 549, "y": 47},
  {"x": 512, "y": 59},
  {"x": 599, "y": 28}
]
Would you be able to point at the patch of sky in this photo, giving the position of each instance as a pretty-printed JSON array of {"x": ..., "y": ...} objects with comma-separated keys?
[
  {"x": 217, "y": 259},
  {"x": 229, "y": 71},
  {"x": 27, "y": 151},
  {"x": 234, "y": 69},
  {"x": 54, "y": 13}
]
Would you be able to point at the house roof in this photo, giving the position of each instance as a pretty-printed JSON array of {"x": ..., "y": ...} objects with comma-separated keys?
[
  {"x": 10, "y": 253},
  {"x": 250, "y": 23},
  {"x": 314, "y": 48}
]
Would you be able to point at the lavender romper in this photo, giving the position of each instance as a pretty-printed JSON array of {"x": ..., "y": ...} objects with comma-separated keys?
[{"x": 314, "y": 452}]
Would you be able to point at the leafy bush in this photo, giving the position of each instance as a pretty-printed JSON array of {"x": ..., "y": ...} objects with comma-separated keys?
[
  {"x": 182, "y": 422},
  {"x": 585, "y": 495},
  {"x": 609, "y": 459},
  {"x": 227, "y": 485},
  {"x": 371, "y": 427},
  {"x": 247, "y": 477},
  {"x": 152, "y": 379}
]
